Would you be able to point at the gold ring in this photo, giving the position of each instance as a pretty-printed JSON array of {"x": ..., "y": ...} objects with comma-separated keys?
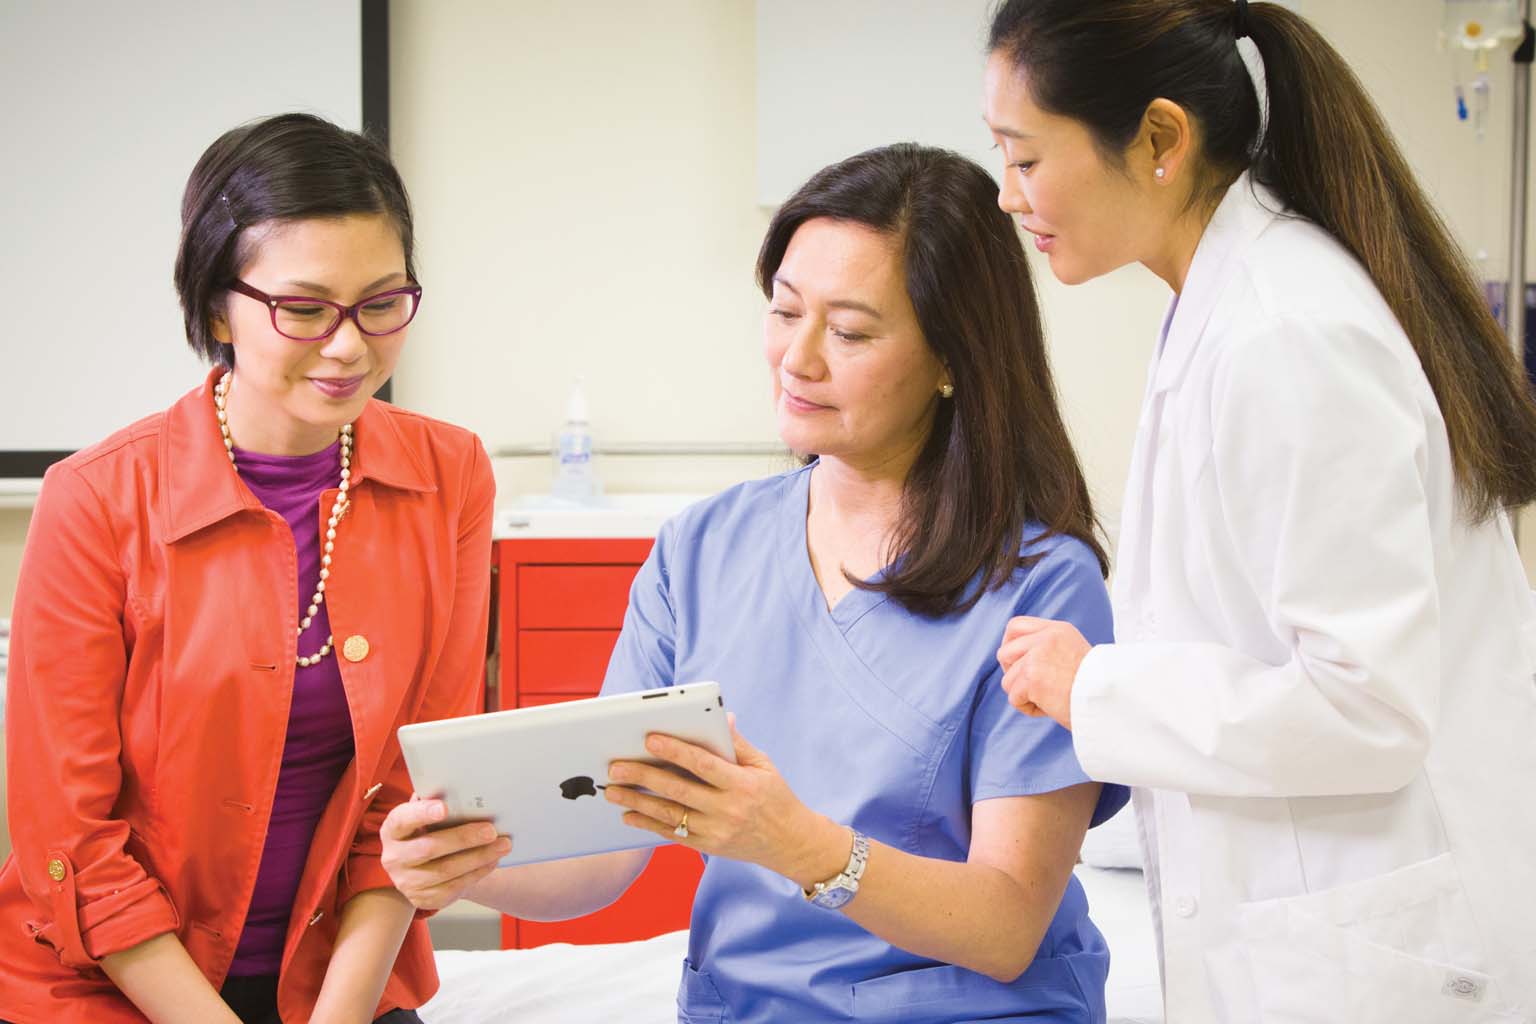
[{"x": 682, "y": 827}]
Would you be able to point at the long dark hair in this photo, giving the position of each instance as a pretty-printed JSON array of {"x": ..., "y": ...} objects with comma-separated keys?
[
  {"x": 284, "y": 168},
  {"x": 998, "y": 455},
  {"x": 1327, "y": 153}
]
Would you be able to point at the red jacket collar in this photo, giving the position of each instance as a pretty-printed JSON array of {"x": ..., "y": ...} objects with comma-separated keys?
[{"x": 201, "y": 488}]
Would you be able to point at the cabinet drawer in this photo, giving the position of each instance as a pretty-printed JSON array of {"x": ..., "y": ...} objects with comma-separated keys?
[
  {"x": 563, "y": 660},
  {"x": 660, "y": 901},
  {"x": 573, "y": 596}
]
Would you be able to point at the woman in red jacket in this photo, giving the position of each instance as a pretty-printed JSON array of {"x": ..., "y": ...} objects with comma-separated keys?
[{"x": 225, "y": 611}]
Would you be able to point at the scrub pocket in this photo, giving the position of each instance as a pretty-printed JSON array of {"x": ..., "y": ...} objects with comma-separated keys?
[
  {"x": 946, "y": 994},
  {"x": 698, "y": 1001},
  {"x": 1401, "y": 948}
]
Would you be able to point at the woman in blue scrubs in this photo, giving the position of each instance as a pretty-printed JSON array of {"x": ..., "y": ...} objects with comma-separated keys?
[{"x": 895, "y": 843}]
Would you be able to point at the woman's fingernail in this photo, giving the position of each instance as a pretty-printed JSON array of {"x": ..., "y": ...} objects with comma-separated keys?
[
  {"x": 438, "y": 811},
  {"x": 654, "y": 744},
  {"x": 504, "y": 845}
]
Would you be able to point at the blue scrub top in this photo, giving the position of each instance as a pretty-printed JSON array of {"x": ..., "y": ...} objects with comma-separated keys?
[{"x": 884, "y": 720}]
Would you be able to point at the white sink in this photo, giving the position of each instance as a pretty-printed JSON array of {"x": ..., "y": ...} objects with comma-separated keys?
[{"x": 610, "y": 515}]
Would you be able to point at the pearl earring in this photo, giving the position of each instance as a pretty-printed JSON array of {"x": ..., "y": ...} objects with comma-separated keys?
[
  {"x": 1160, "y": 173},
  {"x": 946, "y": 391}
]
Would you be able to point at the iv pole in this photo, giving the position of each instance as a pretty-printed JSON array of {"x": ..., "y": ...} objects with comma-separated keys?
[{"x": 1520, "y": 158}]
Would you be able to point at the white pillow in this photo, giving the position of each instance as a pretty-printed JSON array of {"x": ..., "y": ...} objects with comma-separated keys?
[{"x": 1114, "y": 844}]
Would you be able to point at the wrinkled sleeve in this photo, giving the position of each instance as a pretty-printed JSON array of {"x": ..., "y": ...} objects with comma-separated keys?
[
  {"x": 1014, "y": 754},
  {"x": 70, "y": 636},
  {"x": 454, "y": 688},
  {"x": 1320, "y": 460}
]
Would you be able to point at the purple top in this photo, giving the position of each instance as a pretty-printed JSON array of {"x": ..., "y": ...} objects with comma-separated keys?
[{"x": 319, "y": 743}]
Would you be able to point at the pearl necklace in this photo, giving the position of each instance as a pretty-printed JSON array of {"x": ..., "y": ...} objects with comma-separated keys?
[{"x": 338, "y": 509}]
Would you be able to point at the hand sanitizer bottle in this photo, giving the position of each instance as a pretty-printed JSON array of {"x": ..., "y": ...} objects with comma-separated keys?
[{"x": 574, "y": 480}]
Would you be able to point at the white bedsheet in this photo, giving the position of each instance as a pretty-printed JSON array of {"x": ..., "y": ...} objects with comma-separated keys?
[
  {"x": 1117, "y": 903},
  {"x": 629, "y": 982},
  {"x": 636, "y": 982}
]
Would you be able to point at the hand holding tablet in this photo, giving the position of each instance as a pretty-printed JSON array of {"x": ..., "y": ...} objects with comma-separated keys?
[
  {"x": 740, "y": 808},
  {"x": 433, "y": 865},
  {"x": 537, "y": 773}
]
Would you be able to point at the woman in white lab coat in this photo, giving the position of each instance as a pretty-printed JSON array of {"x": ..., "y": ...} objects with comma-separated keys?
[{"x": 1322, "y": 683}]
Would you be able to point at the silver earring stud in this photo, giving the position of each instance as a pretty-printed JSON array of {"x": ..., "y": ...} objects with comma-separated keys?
[
  {"x": 1160, "y": 173},
  {"x": 946, "y": 391}
]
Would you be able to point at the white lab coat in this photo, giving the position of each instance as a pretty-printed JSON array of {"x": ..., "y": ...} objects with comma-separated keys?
[{"x": 1323, "y": 683}]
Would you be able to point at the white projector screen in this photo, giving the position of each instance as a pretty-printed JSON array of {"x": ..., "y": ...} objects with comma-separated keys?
[{"x": 107, "y": 107}]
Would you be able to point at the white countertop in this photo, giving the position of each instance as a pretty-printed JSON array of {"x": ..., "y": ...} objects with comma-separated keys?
[
  {"x": 531, "y": 515},
  {"x": 609, "y": 516}
]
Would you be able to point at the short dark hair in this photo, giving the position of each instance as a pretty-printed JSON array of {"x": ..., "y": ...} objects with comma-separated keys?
[
  {"x": 284, "y": 168},
  {"x": 998, "y": 456}
]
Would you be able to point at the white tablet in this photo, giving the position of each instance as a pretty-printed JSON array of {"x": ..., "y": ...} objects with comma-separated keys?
[{"x": 539, "y": 772}]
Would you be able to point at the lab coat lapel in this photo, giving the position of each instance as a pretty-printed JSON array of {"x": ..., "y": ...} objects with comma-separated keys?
[
  {"x": 1136, "y": 505},
  {"x": 1244, "y": 213},
  {"x": 1242, "y": 216}
]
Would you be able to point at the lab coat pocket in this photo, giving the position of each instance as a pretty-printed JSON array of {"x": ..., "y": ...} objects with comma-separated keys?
[
  {"x": 1401, "y": 948},
  {"x": 698, "y": 1001},
  {"x": 946, "y": 994}
]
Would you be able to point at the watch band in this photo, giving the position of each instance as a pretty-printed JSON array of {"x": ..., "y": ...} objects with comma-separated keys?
[{"x": 835, "y": 892}]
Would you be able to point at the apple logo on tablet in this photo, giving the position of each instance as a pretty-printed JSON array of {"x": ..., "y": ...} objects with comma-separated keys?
[{"x": 578, "y": 786}]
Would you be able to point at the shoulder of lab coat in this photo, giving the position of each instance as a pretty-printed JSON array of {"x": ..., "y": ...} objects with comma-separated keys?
[{"x": 1319, "y": 468}]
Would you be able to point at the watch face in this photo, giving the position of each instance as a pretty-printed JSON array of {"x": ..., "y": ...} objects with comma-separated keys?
[{"x": 832, "y": 899}]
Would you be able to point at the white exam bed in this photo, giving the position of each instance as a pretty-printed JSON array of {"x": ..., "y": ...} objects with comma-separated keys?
[{"x": 636, "y": 982}]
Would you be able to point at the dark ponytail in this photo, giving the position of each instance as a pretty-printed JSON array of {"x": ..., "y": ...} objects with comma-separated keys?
[{"x": 1327, "y": 152}]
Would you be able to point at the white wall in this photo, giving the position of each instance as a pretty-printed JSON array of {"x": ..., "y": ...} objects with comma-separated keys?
[
  {"x": 873, "y": 72},
  {"x": 585, "y": 187},
  {"x": 582, "y": 175},
  {"x": 584, "y": 180},
  {"x": 585, "y": 184}
]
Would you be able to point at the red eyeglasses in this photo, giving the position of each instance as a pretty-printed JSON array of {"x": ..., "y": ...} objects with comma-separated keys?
[{"x": 306, "y": 318}]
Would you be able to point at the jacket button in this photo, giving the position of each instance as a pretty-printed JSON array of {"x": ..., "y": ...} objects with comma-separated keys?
[
  {"x": 1185, "y": 906},
  {"x": 56, "y": 870},
  {"x": 356, "y": 647}
]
